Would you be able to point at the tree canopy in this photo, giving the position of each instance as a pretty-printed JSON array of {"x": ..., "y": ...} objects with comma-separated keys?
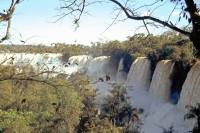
[{"x": 188, "y": 9}]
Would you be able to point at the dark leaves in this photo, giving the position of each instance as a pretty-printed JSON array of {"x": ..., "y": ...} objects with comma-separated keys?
[
  {"x": 179, "y": 19},
  {"x": 101, "y": 79},
  {"x": 53, "y": 104},
  {"x": 107, "y": 77},
  {"x": 23, "y": 100},
  {"x": 189, "y": 116},
  {"x": 189, "y": 20},
  {"x": 17, "y": 82},
  {"x": 56, "y": 121},
  {"x": 184, "y": 14},
  {"x": 194, "y": 113}
]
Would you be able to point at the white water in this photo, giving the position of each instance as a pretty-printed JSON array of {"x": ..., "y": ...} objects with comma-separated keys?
[
  {"x": 44, "y": 62},
  {"x": 158, "y": 111},
  {"x": 121, "y": 75},
  {"x": 81, "y": 60},
  {"x": 140, "y": 73},
  {"x": 97, "y": 67},
  {"x": 161, "y": 84},
  {"x": 190, "y": 94}
]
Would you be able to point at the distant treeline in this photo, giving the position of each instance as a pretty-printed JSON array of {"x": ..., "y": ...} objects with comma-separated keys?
[
  {"x": 169, "y": 45},
  {"x": 31, "y": 102}
]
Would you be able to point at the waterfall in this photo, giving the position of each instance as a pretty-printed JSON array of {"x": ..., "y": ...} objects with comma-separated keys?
[
  {"x": 139, "y": 73},
  {"x": 32, "y": 59},
  {"x": 98, "y": 66},
  {"x": 160, "y": 84},
  {"x": 190, "y": 94},
  {"x": 158, "y": 112},
  {"x": 43, "y": 62},
  {"x": 81, "y": 60},
  {"x": 121, "y": 75}
]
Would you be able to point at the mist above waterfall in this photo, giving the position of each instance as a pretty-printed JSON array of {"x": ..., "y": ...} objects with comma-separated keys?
[{"x": 152, "y": 96}]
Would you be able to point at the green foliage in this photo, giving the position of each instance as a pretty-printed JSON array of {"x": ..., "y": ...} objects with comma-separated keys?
[
  {"x": 168, "y": 45},
  {"x": 194, "y": 113},
  {"x": 17, "y": 122},
  {"x": 96, "y": 125},
  {"x": 60, "y": 104},
  {"x": 118, "y": 111},
  {"x": 54, "y": 105}
]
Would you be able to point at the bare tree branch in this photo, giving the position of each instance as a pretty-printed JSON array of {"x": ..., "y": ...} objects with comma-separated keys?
[
  {"x": 172, "y": 11},
  {"x": 30, "y": 79},
  {"x": 147, "y": 5},
  {"x": 7, "y": 32},
  {"x": 146, "y": 27},
  {"x": 150, "y": 18},
  {"x": 7, "y": 17},
  {"x": 112, "y": 22}
]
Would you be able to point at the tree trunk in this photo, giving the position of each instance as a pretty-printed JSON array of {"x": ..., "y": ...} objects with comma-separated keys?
[
  {"x": 195, "y": 19},
  {"x": 195, "y": 38},
  {"x": 198, "y": 122}
]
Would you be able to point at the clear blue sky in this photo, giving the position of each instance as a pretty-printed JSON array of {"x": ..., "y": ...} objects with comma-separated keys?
[{"x": 35, "y": 17}]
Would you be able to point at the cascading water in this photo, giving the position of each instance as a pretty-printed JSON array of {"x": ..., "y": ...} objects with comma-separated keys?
[
  {"x": 98, "y": 66},
  {"x": 160, "y": 84},
  {"x": 46, "y": 61},
  {"x": 121, "y": 75},
  {"x": 81, "y": 60},
  {"x": 140, "y": 73},
  {"x": 157, "y": 112},
  {"x": 190, "y": 94}
]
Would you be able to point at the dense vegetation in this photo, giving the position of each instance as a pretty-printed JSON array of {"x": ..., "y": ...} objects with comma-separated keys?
[
  {"x": 33, "y": 102},
  {"x": 29, "y": 105},
  {"x": 36, "y": 101},
  {"x": 169, "y": 45}
]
